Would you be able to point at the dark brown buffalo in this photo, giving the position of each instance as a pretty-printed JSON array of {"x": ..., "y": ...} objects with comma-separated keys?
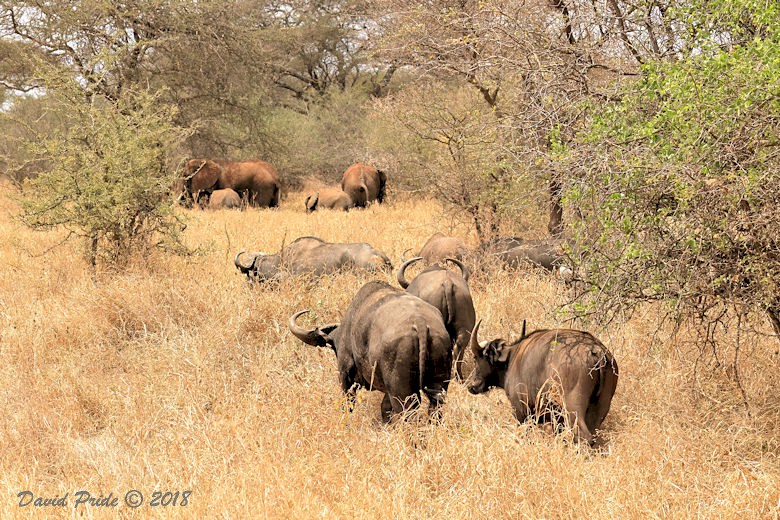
[
  {"x": 549, "y": 372},
  {"x": 518, "y": 252},
  {"x": 311, "y": 255},
  {"x": 224, "y": 199},
  {"x": 389, "y": 341},
  {"x": 449, "y": 293},
  {"x": 441, "y": 246},
  {"x": 329, "y": 198},
  {"x": 364, "y": 183},
  {"x": 257, "y": 179}
]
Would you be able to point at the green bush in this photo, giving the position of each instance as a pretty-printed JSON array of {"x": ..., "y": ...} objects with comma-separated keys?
[
  {"x": 107, "y": 178},
  {"x": 679, "y": 182}
]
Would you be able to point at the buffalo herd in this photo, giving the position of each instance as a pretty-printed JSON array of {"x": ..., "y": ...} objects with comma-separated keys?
[{"x": 410, "y": 342}]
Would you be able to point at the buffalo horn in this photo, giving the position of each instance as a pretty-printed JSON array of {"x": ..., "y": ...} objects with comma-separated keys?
[
  {"x": 240, "y": 266},
  {"x": 522, "y": 334},
  {"x": 400, "y": 276},
  {"x": 315, "y": 336},
  {"x": 403, "y": 255},
  {"x": 474, "y": 343},
  {"x": 464, "y": 271}
]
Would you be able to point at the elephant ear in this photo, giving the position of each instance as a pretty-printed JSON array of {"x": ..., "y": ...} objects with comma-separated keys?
[{"x": 206, "y": 176}]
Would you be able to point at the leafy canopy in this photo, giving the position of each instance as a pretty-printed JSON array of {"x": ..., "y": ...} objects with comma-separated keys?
[{"x": 679, "y": 182}]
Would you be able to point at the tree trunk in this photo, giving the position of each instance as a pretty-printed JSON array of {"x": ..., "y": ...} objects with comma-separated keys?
[{"x": 555, "y": 224}]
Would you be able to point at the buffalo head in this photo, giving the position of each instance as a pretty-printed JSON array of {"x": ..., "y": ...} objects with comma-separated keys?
[
  {"x": 317, "y": 336},
  {"x": 262, "y": 267}
]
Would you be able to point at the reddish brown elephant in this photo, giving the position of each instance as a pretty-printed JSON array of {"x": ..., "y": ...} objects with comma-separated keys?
[
  {"x": 257, "y": 179},
  {"x": 364, "y": 183}
]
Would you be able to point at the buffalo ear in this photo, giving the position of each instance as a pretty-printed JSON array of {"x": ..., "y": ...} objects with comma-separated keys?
[
  {"x": 314, "y": 200},
  {"x": 328, "y": 329},
  {"x": 503, "y": 353},
  {"x": 325, "y": 334},
  {"x": 496, "y": 351}
]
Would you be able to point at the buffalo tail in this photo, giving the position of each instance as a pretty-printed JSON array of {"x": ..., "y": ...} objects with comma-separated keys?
[{"x": 422, "y": 345}]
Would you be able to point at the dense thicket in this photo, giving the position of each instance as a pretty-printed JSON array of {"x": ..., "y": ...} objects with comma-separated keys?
[{"x": 678, "y": 180}]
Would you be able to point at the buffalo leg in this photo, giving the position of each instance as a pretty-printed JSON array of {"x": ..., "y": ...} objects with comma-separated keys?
[
  {"x": 351, "y": 396},
  {"x": 575, "y": 410},
  {"x": 387, "y": 408},
  {"x": 435, "y": 401},
  {"x": 598, "y": 411},
  {"x": 520, "y": 406},
  {"x": 458, "y": 351},
  {"x": 393, "y": 406}
]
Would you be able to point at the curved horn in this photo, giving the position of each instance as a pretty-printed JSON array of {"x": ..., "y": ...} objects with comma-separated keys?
[
  {"x": 522, "y": 334},
  {"x": 464, "y": 271},
  {"x": 239, "y": 265},
  {"x": 473, "y": 342},
  {"x": 403, "y": 255},
  {"x": 308, "y": 336},
  {"x": 400, "y": 276}
]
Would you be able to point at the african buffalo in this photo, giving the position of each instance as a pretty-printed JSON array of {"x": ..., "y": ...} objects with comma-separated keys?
[
  {"x": 441, "y": 246},
  {"x": 364, "y": 183},
  {"x": 313, "y": 256},
  {"x": 391, "y": 341},
  {"x": 449, "y": 293},
  {"x": 516, "y": 252},
  {"x": 549, "y": 372},
  {"x": 328, "y": 198},
  {"x": 258, "y": 179},
  {"x": 224, "y": 199}
]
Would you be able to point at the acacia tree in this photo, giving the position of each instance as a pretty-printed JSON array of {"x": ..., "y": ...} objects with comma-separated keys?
[
  {"x": 245, "y": 75},
  {"x": 205, "y": 57},
  {"x": 679, "y": 180},
  {"x": 322, "y": 46},
  {"x": 106, "y": 177},
  {"x": 531, "y": 63}
]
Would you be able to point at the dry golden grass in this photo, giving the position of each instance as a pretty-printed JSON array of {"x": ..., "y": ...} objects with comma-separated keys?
[{"x": 177, "y": 376}]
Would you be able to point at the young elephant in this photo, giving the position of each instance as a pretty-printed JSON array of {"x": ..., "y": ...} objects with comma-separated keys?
[
  {"x": 224, "y": 199},
  {"x": 364, "y": 183},
  {"x": 531, "y": 369},
  {"x": 329, "y": 198}
]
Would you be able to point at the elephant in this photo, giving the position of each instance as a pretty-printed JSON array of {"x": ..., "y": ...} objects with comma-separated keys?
[
  {"x": 258, "y": 179},
  {"x": 364, "y": 183},
  {"x": 329, "y": 198},
  {"x": 224, "y": 199}
]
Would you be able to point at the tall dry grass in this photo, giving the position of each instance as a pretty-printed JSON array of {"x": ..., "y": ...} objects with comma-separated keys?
[{"x": 177, "y": 376}]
